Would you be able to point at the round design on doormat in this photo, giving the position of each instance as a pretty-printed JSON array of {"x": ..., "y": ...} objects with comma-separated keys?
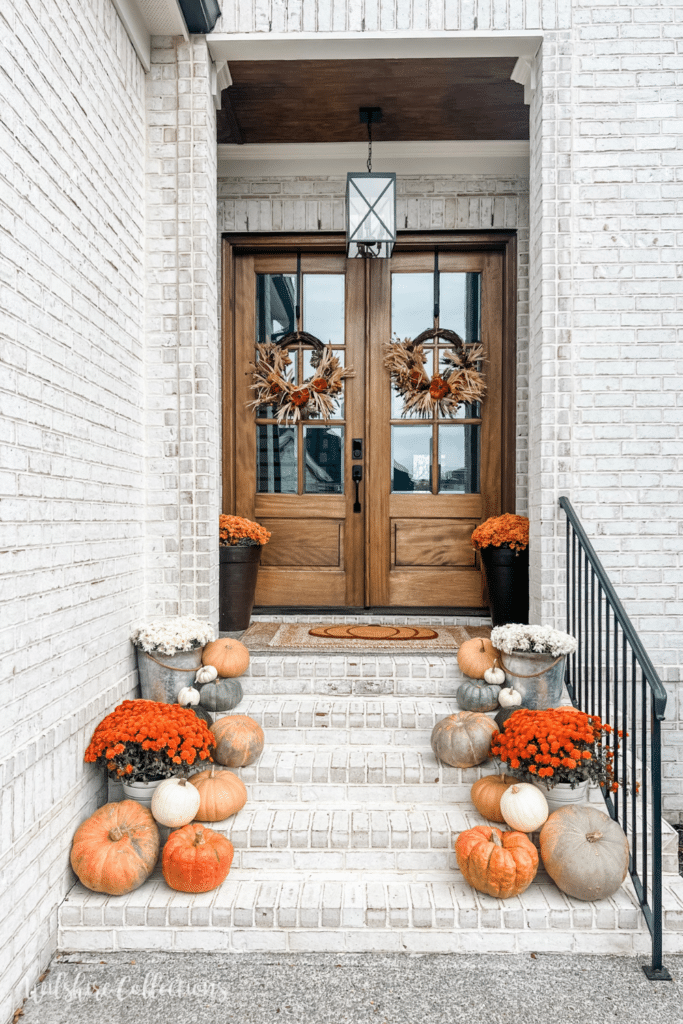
[
  {"x": 460, "y": 382},
  {"x": 375, "y": 632}
]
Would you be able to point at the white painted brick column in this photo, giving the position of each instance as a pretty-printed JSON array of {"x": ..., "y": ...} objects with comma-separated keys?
[
  {"x": 550, "y": 275},
  {"x": 182, "y": 343}
]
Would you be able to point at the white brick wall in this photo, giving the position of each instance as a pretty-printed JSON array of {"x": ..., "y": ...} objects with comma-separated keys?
[
  {"x": 626, "y": 314},
  {"x": 423, "y": 203},
  {"x": 71, "y": 441},
  {"x": 392, "y": 15},
  {"x": 182, "y": 471}
]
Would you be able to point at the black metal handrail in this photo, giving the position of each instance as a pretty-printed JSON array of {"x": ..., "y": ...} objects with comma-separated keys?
[{"x": 611, "y": 675}]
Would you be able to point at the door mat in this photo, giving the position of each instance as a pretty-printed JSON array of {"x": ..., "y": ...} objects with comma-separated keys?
[
  {"x": 375, "y": 632},
  {"x": 268, "y": 637}
]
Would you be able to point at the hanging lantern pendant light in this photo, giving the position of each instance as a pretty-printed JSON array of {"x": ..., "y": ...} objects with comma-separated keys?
[{"x": 370, "y": 204}]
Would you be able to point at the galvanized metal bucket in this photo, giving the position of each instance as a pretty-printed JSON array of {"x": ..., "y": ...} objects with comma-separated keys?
[
  {"x": 538, "y": 677},
  {"x": 162, "y": 676}
]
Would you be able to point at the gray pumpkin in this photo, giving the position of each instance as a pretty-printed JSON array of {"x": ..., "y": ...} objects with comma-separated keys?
[
  {"x": 221, "y": 694},
  {"x": 476, "y": 695}
]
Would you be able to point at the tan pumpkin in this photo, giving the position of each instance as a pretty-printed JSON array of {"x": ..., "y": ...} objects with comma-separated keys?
[
  {"x": 476, "y": 656},
  {"x": 239, "y": 740},
  {"x": 524, "y": 807},
  {"x": 116, "y": 848},
  {"x": 502, "y": 864},
  {"x": 221, "y": 794},
  {"x": 463, "y": 740},
  {"x": 584, "y": 851},
  {"x": 175, "y": 802},
  {"x": 229, "y": 657},
  {"x": 486, "y": 793}
]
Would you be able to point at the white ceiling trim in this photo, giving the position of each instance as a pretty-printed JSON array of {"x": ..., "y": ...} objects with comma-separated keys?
[
  {"x": 370, "y": 45},
  {"x": 493, "y": 149},
  {"x": 335, "y": 159}
]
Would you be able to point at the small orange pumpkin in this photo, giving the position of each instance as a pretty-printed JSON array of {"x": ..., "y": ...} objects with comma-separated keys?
[
  {"x": 229, "y": 657},
  {"x": 300, "y": 397},
  {"x": 116, "y": 848},
  {"x": 438, "y": 389},
  {"x": 476, "y": 656},
  {"x": 486, "y": 793},
  {"x": 196, "y": 859},
  {"x": 239, "y": 740},
  {"x": 220, "y": 794},
  {"x": 502, "y": 864}
]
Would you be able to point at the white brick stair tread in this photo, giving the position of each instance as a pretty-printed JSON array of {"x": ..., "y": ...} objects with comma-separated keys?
[
  {"x": 380, "y": 713},
  {"x": 369, "y": 913},
  {"x": 363, "y": 675}
]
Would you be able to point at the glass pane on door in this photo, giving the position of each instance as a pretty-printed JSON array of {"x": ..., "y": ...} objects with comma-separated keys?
[
  {"x": 301, "y": 458},
  {"x": 442, "y": 454}
]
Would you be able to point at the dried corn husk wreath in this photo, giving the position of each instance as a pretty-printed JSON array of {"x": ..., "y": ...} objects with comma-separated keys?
[
  {"x": 462, "y": 382},
  {"x": 274, "y": 384}
]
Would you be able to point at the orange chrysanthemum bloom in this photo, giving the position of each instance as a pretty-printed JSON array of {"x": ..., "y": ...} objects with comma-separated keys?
[
  {"x": 233, "y": 529},
  {"x": 502, "y": 531},
  {"x": 140, "y": 738}
]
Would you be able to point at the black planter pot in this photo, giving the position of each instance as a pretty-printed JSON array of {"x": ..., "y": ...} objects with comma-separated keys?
[
  {"x": 237, "y": 585},
  {"x": 507, "y": 580}
]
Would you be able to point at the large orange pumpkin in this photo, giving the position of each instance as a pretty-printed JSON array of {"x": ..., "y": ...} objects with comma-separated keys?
[
  {"x": 502, "y": 864},
  {"x": 116, "y": 848},
  {"x": 229, "y": 657},
  {"x": 196, "y": 859},
  {"x": 239, "y": 740},
  {"x": 220, "y": 794},
  {"x": 486, "y": 793}
]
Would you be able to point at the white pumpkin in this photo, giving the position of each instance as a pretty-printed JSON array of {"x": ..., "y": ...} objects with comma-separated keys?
[
  {"x": 175, "y": 802},
  {"x": 188, "y": 696},
  {"x": 508, "y": 697},
  {"x": 206, "y": 674},
  {"x": 523, "y": 806},
  {"x": 495, "y": 676}
]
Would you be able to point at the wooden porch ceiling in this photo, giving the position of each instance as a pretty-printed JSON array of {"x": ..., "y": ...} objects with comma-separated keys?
[{"x": 421, "y": 100}]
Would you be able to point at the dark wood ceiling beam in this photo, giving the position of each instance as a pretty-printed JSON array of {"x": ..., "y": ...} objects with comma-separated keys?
[{"x": 421, "y": 100}]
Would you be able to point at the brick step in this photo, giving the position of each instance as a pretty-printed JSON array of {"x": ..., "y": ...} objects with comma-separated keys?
[
  {"x": 380, "y": 913},
  {"x": 361, "y": 675},
  {"x": 348, "y": 713}
]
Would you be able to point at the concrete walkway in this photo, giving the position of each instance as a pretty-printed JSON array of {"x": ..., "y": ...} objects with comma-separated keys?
[{"x": 328, "y": 988}]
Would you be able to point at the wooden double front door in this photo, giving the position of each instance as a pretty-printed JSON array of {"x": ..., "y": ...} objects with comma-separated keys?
[{"x": 399, "y": 536}]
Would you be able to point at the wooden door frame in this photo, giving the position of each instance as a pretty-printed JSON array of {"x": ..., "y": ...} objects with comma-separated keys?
[{"x": 466, "y": 241}]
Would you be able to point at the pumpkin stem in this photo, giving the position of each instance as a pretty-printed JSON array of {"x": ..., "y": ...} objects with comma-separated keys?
[
  {"x": 494, "y": 838},
  {"x": 182, "y": 782},
  {"x": 116, "y": 834},
  {"x": 593, "y": 837},
  {"x": 199, "y": 837}
]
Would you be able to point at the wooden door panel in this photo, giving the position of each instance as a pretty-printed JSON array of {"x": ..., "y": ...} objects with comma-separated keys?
[
  {"x": 435, "y": 588},
  {"x": 432, "y": 542},
  {"x": 302, "y": 542},
  {"x": 420, "y": 549},
  {"x": 315, "y": 554},
  {"x": 301, "y": 588}
]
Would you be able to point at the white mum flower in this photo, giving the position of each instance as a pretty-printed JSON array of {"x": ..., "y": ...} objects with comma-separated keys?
[
  {"x": 537, "y": 639},
  {"x": 168, "y": 636}
]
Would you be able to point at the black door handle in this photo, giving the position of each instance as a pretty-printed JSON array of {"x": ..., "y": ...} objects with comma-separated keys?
[{"x": 357, "y": 476}]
